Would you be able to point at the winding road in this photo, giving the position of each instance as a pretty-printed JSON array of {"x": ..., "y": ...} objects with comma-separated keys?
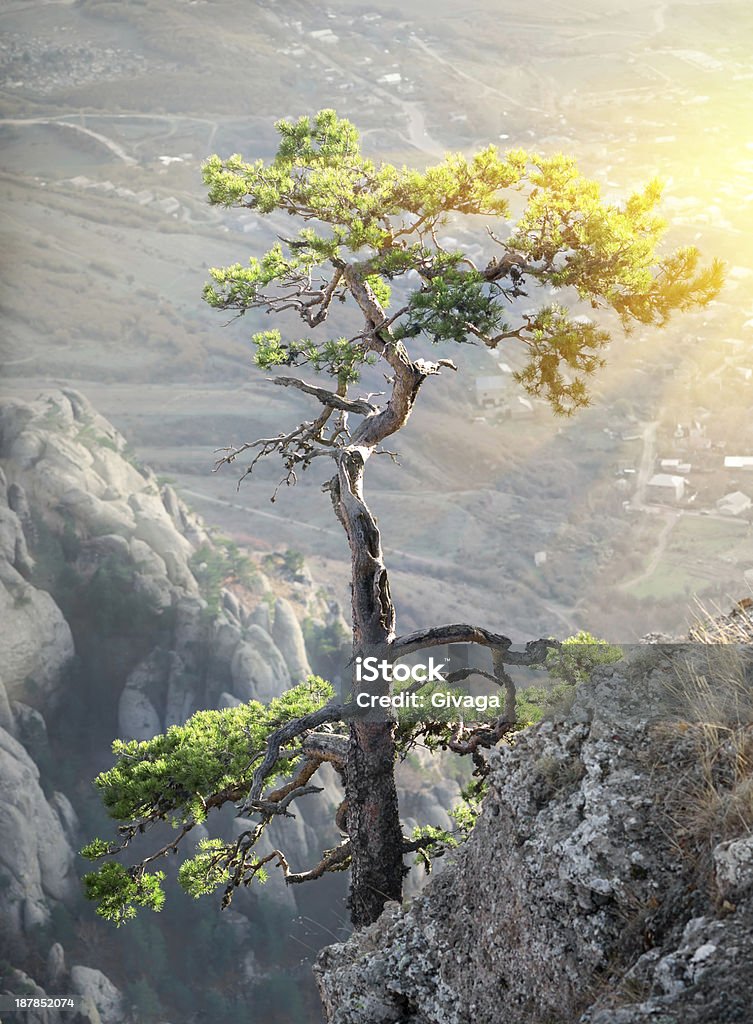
[{"x": 110, "y": 144}]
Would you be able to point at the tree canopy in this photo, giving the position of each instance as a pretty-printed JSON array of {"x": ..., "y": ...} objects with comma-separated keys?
[{"x": 552, "y": 230}]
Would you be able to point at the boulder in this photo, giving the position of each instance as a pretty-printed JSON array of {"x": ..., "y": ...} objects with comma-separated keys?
[
  {"x": 733, "y": 867},
  {"x": 287, "y": 635},
  {"x": 27, "y": 448},
  {"x": 92, "y": 515},
  {"x": 55, "y": 966},
  {"x": 15, "y": 416},
  {"x": 190, "y": 629},
  {"x": 261, "y": 616},
  {"x": 156, "y": 528},
  {"x": 111, "y": 545},
  {"x": 223, "y": 644},
  {"x": 102, "y": 1001},
  {"x": 227, "y": 700},
  {"x": 68, "y": 817},
  {"x": 115, "y": 472},
  {"x": 35, "y": 642},
  {"x": 6, "y": 715},
  {"x": 258, "y": 668},
  {"x": 55, "y": 409},
  {"x": 231, "y": 604},
  {"x": 13, "y": 542},
  {"x": 137, "y": 716},
  {"x": 31, "y": 728},
  {"x": 182, "y": 692},
  {"x": 36, "y": 859}
]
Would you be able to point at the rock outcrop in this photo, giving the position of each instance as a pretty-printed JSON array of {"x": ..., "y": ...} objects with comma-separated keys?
[
  {"x": 598, "y": 886},
  {"x": 102, "y": 575},
  {"x": 36, "y": 858},
  {"x": 101, "y": 1000},
  {"x": 287, "y": 635},
  {"x": 119, "y": 547},
  {"x": 35, "y": 640}
]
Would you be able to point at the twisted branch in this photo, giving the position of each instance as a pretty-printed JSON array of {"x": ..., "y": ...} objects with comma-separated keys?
[
  {"x": 356, "y": 405},
  {"x": 283, "y": 735}
]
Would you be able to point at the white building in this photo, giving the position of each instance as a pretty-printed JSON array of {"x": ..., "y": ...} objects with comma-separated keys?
[
  {"x": 491, "y": 390},
  {"x": 675, "y": 466},
  {"x": 739, "y": 462},
  {"x": 734, "y": 504},
  {"x": 666, "y": 487}
]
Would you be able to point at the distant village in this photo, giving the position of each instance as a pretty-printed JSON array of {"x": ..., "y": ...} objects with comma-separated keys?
[{"x": 689, "y": 468}]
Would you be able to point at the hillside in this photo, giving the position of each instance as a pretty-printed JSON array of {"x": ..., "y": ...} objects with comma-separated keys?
[{"x": 109, "y": 110}]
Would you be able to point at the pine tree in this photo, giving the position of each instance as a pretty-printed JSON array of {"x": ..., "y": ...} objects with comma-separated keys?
[{"x": 365, "y": 229}]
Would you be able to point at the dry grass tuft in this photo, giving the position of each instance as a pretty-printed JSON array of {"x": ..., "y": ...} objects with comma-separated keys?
[
  {"x": 712, "y": 690},
  {"x": 713, "y": 626}
]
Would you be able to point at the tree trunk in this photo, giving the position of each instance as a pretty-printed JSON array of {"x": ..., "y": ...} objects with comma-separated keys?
[
  {"x": 373, "y": 815},
  {"x": 373, "y": 821}
]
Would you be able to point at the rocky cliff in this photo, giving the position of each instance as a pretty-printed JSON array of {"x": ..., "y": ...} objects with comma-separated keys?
[
  {"x": 609, "y": 879},
  {"x": 120, "y": 614}
]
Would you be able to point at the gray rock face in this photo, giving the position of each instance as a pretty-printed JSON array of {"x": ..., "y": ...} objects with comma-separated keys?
[
  {"x": 733, "y": 866},
  {"x": 68, "y": 817},
  {"x": 117, "y": 550},
  {"x": 30, "y": 728},
  {"x": 20, "y": 981},
  {"x": 571, "y": 871},
  {"x": 260, "y": 617},
  {"x": 36, "y": 859},
  {"x": 55, "y": 966},
  {"x": 137, "y": 716},
  {"x": 35, "y": 640},
  {"x": 258, "y": 668},
  {"x": 102, "y": 1002},
  {"x": 6, "y": 715},
  {"x": 288, "y": 637}
]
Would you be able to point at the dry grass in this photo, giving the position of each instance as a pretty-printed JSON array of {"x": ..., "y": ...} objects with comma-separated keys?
[
  {"x": 713, "y": 626},
  {"x": 712, "y": 691},
  {"x": 704, "y": 751}
]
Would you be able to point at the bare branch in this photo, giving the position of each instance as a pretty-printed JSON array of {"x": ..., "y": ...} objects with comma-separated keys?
[
  {"x": 309, "y": 768},
  {"x": 326, "y": 299},
  {"x": 468, "y": 741},
  {"x": 493, "y": 341},
  {"x": 327, "y": 746},
  {"x": 267, "y": 807},
  {"x": 462, "y": 633},
  {"x": 336, "y": 859},
  {"x": 356, "y": 405},
  {"x": 296, "y": 449},
  {"x": 437, "y": 636},
  {"x": 428, "y": 367}
]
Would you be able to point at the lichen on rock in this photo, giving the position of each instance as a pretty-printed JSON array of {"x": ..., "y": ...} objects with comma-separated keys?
[{"x": 586, "y": 891}]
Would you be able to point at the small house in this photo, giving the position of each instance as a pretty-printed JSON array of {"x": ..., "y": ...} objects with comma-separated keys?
[
  {"x": 491, "y": 391},
  {"x": 744, "y": 462},
  {"x": 734, "y": 504},
  {"x": 666, "y": 487},
  {"x": 675, "y": 466}
]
